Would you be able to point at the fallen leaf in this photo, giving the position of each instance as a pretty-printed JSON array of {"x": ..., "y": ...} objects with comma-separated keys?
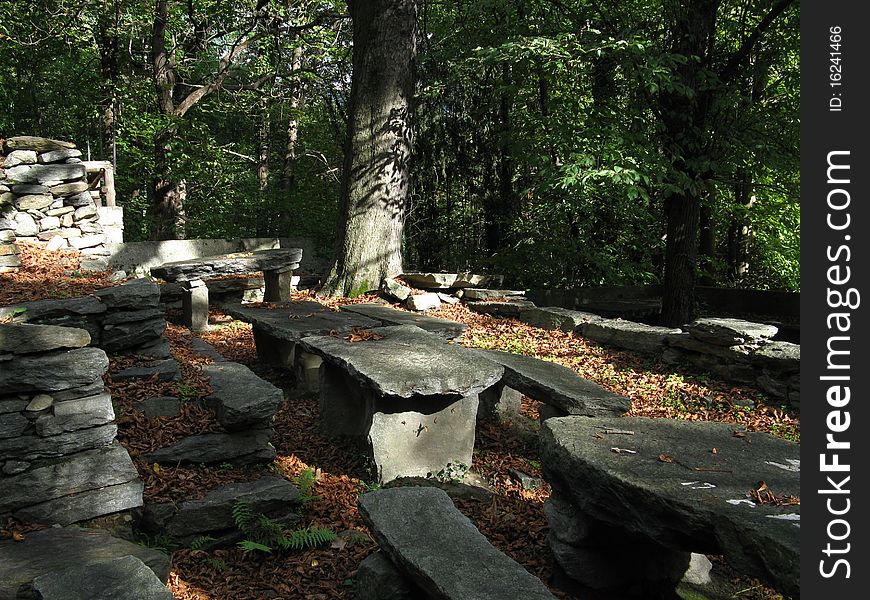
[{"x": 666, "y": 458}]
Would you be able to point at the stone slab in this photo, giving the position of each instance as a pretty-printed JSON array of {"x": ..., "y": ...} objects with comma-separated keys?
[
  {"x": 294, "y": 320},
  {"x": 555, "y": 317},
  {"x": 239, "y": 398},
  {"x": 124, "y": 578},
  {"x": 697, "y": 501},
  {"x": 239, "y": 448},
  {"x": 779, "y": 356},
  {"x": 390, "y": 316},
  {"x": 431, "y": 542},
  {"x": 84, "y": 506},
  {"x": 729, "y": 332},
  {"x": 32, "y": 447},
  {"x": 136, "y": 294},
  {"x": 24, "y": 338},
  {"x": 508, "y": 310},
  {"x": 58, "y": 548},
  {"x": 407, "y": 362},
  {"x": 639, "y": 337},
  {"x": 56, "y": 370},
  {"x": 229, "y": 264},
  {"x": 488, "y": 294},
  {"x": 440, "y": 281}
]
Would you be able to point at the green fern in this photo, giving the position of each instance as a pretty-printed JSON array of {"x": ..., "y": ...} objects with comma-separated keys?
[
  {"x": 309, "y": 537},
  {"x": 305, "y": 484},
  {"x": 200, "y": 542},
  {"x": 243, "y": 517},
  {"x": 249, "y": 546}
]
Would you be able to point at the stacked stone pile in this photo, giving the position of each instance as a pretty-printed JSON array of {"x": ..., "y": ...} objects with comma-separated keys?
[
  {"x": 45, "y": 196},
  {"x": 9, "y": 261},
  {"x": 126, "y": 319},
  {"x": 59, "y": 460}
]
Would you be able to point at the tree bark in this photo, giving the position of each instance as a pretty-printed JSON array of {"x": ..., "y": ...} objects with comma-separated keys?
[
  {"x": 376, "y": 178},
  {"x": 685, "y": 117},
  {"x": 291, "y": 148}
]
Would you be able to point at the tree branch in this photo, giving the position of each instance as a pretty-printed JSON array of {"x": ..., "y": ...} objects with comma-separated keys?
[{"x": 733, "y": 64}]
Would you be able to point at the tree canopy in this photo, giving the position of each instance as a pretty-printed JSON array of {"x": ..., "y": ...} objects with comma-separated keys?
[{"x": 559, "y": 142}]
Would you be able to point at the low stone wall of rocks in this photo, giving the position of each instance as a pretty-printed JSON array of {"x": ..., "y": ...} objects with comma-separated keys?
[
  {"x": 125, "y": 319},
  {"x": 45, "y": 196},
  {"x": 59, "y": 460},
  {"x": 735, "y": 350}
]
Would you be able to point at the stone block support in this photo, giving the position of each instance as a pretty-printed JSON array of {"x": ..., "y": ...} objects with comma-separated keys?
[{"x": 194, "y": 304}]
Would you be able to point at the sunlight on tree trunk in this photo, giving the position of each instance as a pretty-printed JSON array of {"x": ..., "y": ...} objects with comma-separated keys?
[{"x": 376, "y": 170}]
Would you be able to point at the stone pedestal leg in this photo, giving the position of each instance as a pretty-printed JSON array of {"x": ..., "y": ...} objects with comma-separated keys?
[
  {"x": 274, "y": 351},
  {"x": 308, "y": 371},
  {"x": 194, "y": 304},
  {"x": 499, "y": 402},
  {"x": 278, "y": 285}
]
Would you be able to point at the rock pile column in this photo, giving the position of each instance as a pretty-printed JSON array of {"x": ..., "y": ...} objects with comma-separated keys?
[{"x": 59, "y": 460}]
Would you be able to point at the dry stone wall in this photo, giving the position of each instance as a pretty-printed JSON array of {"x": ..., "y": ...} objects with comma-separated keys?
[
  {"x": 45, "y": 196},
  {"x": 59, "y": 460}
]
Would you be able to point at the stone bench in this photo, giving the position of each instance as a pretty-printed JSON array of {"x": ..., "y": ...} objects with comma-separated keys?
[
  {"x": 390, "y": 316},
  {"x": 436, "y": 552},
  {"x": 558, "y": 387},
  {"x": 276, "y": 265},
  {"x": 632, "y": 497},
  {"x": 412, "y": 397},
  {"x": 278, "y": 329}
]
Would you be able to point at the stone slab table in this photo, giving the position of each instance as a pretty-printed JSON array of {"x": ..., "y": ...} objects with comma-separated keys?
[
  {"x": 410, "y": 395},
  {"x": 634, "y": 496},
  {"x": 278, "y": 329},
  {"x": 277, "y": 266},
  {"x": 390, "y": 316}
]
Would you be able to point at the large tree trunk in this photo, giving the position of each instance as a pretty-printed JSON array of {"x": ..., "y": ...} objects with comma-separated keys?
[
  {"x": 685, "y": 115},
  {"x": 169, "y": 191},
  {"x": 377, "y": 161},
  {"x": 291, "y": 148}
]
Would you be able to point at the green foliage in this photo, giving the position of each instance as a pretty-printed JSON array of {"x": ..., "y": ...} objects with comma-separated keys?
[
  {"x": 305, "y": 482},
  {"x": 265, "y": 535},
  {"x": 201, "y": 542}
]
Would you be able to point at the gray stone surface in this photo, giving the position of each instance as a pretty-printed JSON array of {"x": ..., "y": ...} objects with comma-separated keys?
[
  {"x": 639, "y": 337},
  {"x": 48, "y": 309},
  {"x": 488, "y": 294},
  {"x": 124, "y": 578},
  {"x": 68, "y": 189},
  {"x": 160, "y": 406},
  {"x": 12, "y": 424},
  {"x": 78, "y": 200},
  {"x": 57, "y": 370},
  {"x": 31, "y": 447},
  {"x": 729, "y": 332},
  {"x": 395, "y": 290},
  {"x": 499, "y": 403},
  {"x": 203, "y": 348},
  {"x": 164, "y": 370},
  {"x": 378, "y": 579},
  {"x": 781, "y": 356},
  {"x": 239, "y": 448},
  {"x": 59, "y": 548},
  {"x": 422, "y": 302},
  {"x": 239, "y": 398},
  {"x": 23, "y": 338},
  {"x": 59, "y": 155},
  {"x": 557, "y": 385},
  {"x": 419, "y": 363},
  {"x": 554, "y": 317},
  {"x": 430, "y": 541},
  {"x": 36, "y": 143},
  {"x": 126, "y": 316},
  {"x": 437, "y": 281},
  {"x": 229, "y": 264},
  {"x": 698, "y": 502},
  {"x": 294, "y": 320},
  {"x": 508, "y": 310},
  {"x": 212, "y": 515},
  {"x": 33, "y": 201},
  {"x": 390, "y": 316},
  {"x": 85, "y": 505},
  {"x": 136, "y": 294},
  {"x": 45, "y": 173},
  {"x": 124, "y": 336}
]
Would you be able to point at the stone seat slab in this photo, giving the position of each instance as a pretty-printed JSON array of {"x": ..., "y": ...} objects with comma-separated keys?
[
  {"x": 407, "y": 362},
  {"x": 665, "y": 483},
  {"x": 390, "y": 316},
  {"x": 558, "y": 386},
  {"x": 123, "y": 578},
  {"x": 59, "y": 548},
  {"x": 239, "y": 398},
  {"x": 431, "y": 542},
  {"x": 292, "y": 321},
  {"x": 229, "y": 264}
]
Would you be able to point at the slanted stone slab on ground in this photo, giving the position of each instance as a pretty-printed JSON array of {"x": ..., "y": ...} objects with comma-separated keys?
[
  {"x": 722, "y": 331},
  {"x": 487, "y": 294},
  {"x": 123, "y": 578},
  {"x": 431, "y": 542},
  {"x": 639, "y": 337},
  {"x": 557, "y": 386},
  {"x": 60, "y": 548},
  {"x": 665, "y": 485},
  {"x": 555, "y": 317},
  {"x": 238, "y": 448},
  {"x": 390, "y": 316},
  {"x": 407, "y": 362},
  {"x": 512, "y": 309},
  {"x": 212, "y": 515},
  {"x": 239, "y": 398}
]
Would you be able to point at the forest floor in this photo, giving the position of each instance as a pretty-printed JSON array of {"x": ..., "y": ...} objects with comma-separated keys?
[{"x": 510, "y": 516}]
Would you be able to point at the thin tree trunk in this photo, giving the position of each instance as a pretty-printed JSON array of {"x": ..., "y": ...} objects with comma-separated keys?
[
  {"x": 377, "y": 161},
  {"x": 707, "y": 246}
]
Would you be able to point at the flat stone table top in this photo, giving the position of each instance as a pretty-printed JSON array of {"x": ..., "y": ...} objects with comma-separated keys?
[
  {"x": 665, "y": 481},
  {"x": 558, "y": 386},
  {"x": 407, "y": 362},
  {"x": 229, "y": 264},
  {"x": 390, "y": 316},
  {"x": 294, "y": 320}
]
